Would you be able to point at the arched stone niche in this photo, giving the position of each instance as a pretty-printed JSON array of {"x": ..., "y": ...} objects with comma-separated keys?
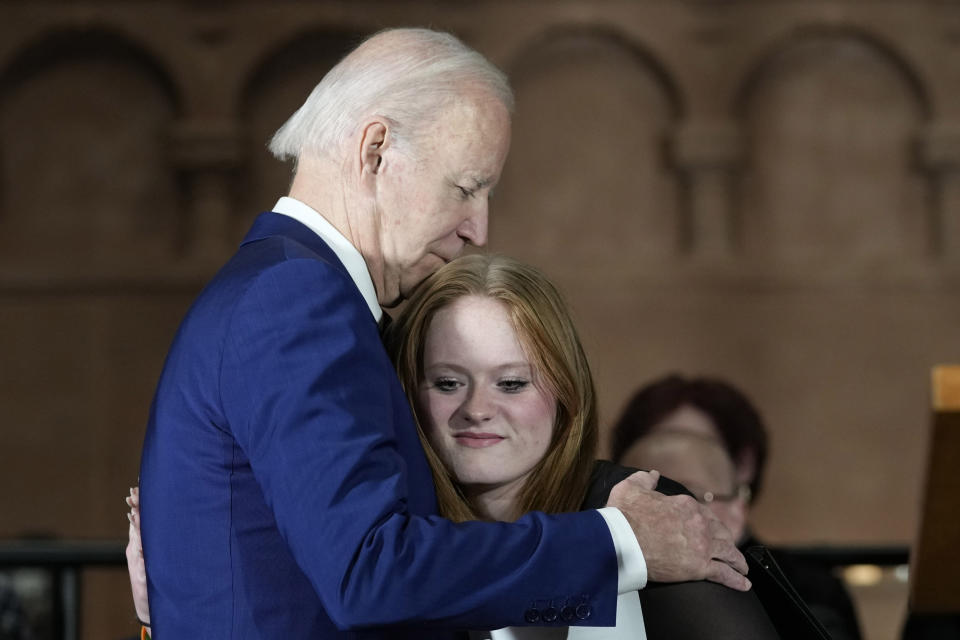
[
  {"x": 587, "y": 179},
  {"x": 86, "y": 186},
  {"x": 274, "y": 89},
  {"x": 831, "y": 121}
]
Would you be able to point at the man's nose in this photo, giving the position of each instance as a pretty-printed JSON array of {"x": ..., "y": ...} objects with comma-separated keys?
[{"x": 473, "y": 230}]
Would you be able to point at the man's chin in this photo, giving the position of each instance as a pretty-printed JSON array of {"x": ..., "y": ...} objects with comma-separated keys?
[
  {"x": 410, "y": 287},
  {"x": 392, "y": 304},
  {"x": 401, "y": 296}
]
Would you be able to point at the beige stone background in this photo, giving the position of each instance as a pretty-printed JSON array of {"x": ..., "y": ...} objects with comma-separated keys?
[{"x": 766, "y": 191}]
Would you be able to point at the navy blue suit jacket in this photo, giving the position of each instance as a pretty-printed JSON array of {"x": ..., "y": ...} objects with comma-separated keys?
[{"x": 285, "y": 493}]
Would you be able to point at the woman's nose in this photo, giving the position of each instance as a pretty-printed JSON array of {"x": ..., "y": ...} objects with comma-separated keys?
[{"x": 477, "y": 407}]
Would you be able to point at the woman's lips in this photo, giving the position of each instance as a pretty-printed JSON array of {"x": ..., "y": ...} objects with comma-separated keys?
[{"x": 478, "y": 440}]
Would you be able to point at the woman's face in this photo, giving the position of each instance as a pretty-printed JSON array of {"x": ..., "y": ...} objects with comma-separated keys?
[
  {"x": 695, "y": 473},
  {"x": 480, "y": 404}
]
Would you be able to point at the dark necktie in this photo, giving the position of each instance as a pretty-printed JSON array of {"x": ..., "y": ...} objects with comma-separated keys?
[{"x": 385, "y": 321}]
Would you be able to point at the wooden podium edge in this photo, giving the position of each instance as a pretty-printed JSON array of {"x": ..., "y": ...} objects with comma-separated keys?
[
  {"x": 945, "y": 387},
  {"x": 935, "y": 557}
]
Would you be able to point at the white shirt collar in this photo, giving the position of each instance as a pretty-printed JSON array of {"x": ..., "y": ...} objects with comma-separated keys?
[{"x": 347, "y": 253}]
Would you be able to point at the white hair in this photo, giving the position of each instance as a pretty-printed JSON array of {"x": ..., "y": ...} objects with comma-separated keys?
[{"x": 402, "y": 75}]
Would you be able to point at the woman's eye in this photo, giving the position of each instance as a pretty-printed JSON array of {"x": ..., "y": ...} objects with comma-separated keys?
[
  {"x": 446, "y": 384},
  {"x": 465, "y": 193},
  {"x": 513, "y": 385}
]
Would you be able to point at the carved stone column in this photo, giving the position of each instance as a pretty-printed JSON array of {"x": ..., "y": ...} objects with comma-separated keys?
[
  {"x": 708, "y": 153},
  {"x": 940, "y": 154},
  {"x": 208, "y": 154}
]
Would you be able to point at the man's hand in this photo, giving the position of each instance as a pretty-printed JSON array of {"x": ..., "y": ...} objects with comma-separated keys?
[{"x": 680, "y": 539}]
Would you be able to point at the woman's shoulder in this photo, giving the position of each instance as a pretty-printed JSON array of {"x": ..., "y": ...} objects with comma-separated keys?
[{"x": 606, "y": 474}]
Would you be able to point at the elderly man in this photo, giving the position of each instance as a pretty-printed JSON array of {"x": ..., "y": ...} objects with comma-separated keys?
[{"x": 284, "y": 490}]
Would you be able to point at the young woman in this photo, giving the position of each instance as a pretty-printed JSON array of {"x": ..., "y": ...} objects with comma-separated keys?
[{"x": 504, "y": 401}]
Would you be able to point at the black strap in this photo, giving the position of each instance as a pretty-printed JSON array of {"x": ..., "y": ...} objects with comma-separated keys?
[
  {"x": 783, "y": 604},
  {"x": 384, "y": 323}
]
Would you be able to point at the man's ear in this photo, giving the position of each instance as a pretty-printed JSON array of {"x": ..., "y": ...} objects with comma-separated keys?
[{"x": 373, "y": 142}]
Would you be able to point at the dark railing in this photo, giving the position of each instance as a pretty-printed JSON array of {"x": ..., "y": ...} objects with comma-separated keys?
[
  {"x": 65, "y": 559},
  {"x": 832, "y": 556}
]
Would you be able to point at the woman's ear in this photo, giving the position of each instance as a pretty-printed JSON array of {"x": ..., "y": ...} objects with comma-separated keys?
[{"x": 746, "y": 466}]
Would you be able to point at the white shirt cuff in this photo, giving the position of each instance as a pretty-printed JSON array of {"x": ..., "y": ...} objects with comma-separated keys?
[{"x": 631, "y": 567}]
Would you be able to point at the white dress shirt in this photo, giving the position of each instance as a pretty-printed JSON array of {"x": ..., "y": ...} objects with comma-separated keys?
[{"x": 631, "y": 567}]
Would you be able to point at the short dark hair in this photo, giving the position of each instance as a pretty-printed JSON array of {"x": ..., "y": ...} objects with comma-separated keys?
[{"x": 738, "y": 421}]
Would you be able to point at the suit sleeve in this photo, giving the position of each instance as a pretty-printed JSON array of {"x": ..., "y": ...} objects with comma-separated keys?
[{"x": 305, "y": 385}]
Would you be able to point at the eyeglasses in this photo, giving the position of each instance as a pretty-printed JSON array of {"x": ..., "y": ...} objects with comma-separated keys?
[{"x": 742, "y": 492}]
